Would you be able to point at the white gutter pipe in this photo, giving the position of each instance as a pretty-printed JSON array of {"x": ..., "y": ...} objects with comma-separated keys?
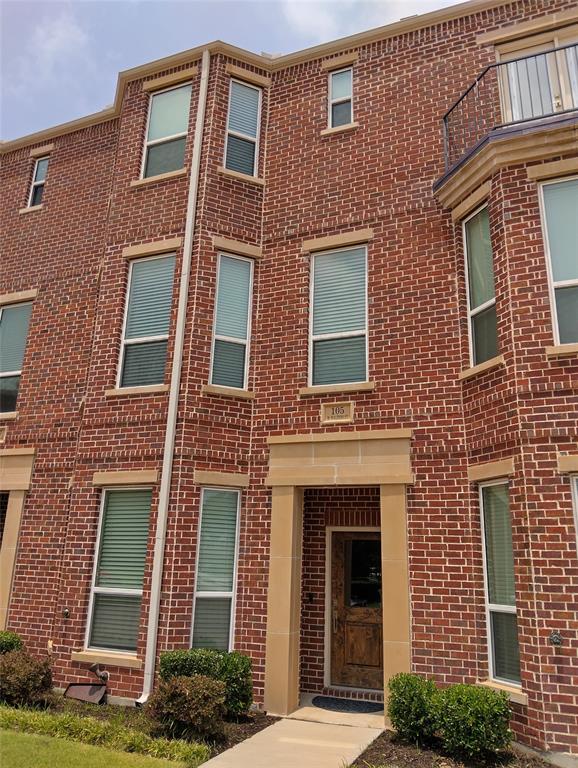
[{"x": 169, "y": 446}]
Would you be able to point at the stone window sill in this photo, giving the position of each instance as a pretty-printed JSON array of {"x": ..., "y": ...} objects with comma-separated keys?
[
  {"x": 488, "y": 365},
  {"x": 330, "y": 389},
  {"x": 159, "y": 177},
  {"x": 8, "y": 415},
  {"x": 151, "y": 389},
  {"x": 241, "y": 176},
  {"x": 339, "y": 129},
  {"x": 562, "y": 350},
  {"x": 514, "y": 692},
  {"x": 214, "y": 389},
  {"x": 107, "y": 657},
  {"x": 31, "y": 209}
]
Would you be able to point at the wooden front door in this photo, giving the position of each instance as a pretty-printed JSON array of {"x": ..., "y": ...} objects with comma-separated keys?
[{"x": 356, "y": 613}]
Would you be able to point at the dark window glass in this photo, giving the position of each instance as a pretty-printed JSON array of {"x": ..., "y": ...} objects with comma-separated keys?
[
  {"x": 3, "y": 510},
  {"x": 506, "y": 650},
  {"x": 37, "y": 193},
  {"x": 8, "y": 393},
  {"x": 144, "y": 364},
  {"x": 485, "y": 335},
  {"x": 165, "y": 157},
  {"x": 567, "y": 309},
  {"x": 229, "y": 364},
  {"x": 340, "y": 113},
  {"x": 240, "y": 155},
  {"x": 363, "y": 573}
]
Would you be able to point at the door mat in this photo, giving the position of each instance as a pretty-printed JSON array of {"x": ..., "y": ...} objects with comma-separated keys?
[{"x": 346, "y": 705}]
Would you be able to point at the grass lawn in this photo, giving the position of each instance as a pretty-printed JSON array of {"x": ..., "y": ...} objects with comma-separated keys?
[{"x": 25, "y": 750}]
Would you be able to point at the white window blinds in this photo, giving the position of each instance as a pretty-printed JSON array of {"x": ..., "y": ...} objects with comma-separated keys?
[
  {"x": 243, "y": 128},
  {"x": 167, "y": 131}
]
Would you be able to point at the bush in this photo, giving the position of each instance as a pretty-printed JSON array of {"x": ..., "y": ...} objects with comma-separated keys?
[
  {"x": 472, "y": 721},
  {"x": 233, "y": 669},
  {"x": 24, "y": 680},
  {"x": 410, "y": 707},
  {"x": 103, "y": 733},
  {"x": 189, "y": 706},
  {"x": 10, "y": 641}
]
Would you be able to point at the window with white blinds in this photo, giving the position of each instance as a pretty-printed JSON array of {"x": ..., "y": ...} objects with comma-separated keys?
[
  {"x": 341, "y": 97},
  {"x": 500, "y": 584},
  {"x": 14, "y": 322},
  {"x": 232, "y": 329},
  {"x": 338, "y": 339},
  {"x": 116, "y": 595},
  {"x": 483, "y": 325},
  {"x": 242, "y": 144},
  {"x": 559, "y": 204},
  {"x": 216, "y": 569},
  {"x": 147, "y": 320},
  {"x": 167, "y": 131},
  {"x": 38, "y": 182}
]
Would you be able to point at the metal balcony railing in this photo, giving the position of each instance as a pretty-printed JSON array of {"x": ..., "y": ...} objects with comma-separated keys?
[{"x": 511, "y": 92}]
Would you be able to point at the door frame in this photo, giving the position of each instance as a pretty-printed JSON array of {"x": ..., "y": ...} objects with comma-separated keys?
[{"x": 329, "y": 530}]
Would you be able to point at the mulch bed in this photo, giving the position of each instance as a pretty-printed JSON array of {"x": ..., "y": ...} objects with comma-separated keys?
[
  {"x": 236, "y": 732},
  {"x": 387, "y": 751}
]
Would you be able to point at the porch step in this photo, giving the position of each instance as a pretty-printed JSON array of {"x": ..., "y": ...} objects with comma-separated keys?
[{"x": 290, "y": 743}]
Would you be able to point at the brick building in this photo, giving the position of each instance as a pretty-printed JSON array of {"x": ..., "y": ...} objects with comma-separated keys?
[{"x": 288, "y": 365}]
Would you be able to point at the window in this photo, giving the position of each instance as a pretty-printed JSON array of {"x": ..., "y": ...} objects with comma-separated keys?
[
  {"x": 338, "y": 338},
  {"x": 14, "y": 322},
  {"x": 213, "y": 621},
  {"x": 483, "y": 328},
  {"x": 574, "y": 482},
  {"x": 230, "y": 358},
  {"x": 242, "y": 145},
  {"x": 559, "y": 206},
  {"x": 146, "y": 326},
  {"x": 167, "y": 131},
  {"x": 38, "y": 181},
  {"x": 116, "y": 595},
  {"x": 500, "y": 586},
  {"x": 340, "y": 97}
]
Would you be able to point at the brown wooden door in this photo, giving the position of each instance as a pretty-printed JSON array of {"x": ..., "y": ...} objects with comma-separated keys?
[{"x": 356, "y": 613}]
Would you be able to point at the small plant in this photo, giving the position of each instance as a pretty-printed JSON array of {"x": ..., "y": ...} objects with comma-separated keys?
[
  {"x": 410, "y": 707},
  {"x": 10, "y": 641},
  {"x": 189, "y": 706},
  {"x": 24, "y": 680},
  {"x": 233, "y": 669},
  {"x": 472, "y": 721}
]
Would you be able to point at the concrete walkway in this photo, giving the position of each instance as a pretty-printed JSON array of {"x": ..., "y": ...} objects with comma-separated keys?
[{"x": 293, "y": 743}]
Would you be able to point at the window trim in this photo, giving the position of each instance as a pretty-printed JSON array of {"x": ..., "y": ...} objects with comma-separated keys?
[
  {"x": 238, "y": 134},
  {"x": 165, "y": 139},
  {"x": 217, "y": 337},
  {"x": 234, "y": 592},
  {"x": 108, "y": 590},
  {"x": 36, "y": 183},
  {"x": 487, "y": 304},
  {"x": 11, "y": 374},
  {"x": 493, "y": 607},
  {"x": 331, "y": 101},
  {"x": 347, "y": 334},
  {"x": 124, "y": 342},
  {"x": 574, "y": 492},
  {"x": 552, "y": 284}
]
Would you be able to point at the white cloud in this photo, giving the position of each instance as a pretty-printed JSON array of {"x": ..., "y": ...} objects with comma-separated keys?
[
  {"x": 51, "y": 55},
  {"x": 323, "y": 20}
]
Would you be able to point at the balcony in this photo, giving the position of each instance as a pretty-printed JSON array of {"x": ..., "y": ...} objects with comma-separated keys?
[{"x": 526, "y": 93}]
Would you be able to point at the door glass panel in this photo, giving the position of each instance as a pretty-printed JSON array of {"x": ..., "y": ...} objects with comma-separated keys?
[{"x": 363, "y": 573}]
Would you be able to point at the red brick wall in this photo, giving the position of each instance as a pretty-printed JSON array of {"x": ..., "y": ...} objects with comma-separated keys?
[{"x": 380, "y": 176}]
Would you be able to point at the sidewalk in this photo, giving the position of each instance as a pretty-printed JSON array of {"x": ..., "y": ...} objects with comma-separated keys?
[{"x": 293, "y": 743}]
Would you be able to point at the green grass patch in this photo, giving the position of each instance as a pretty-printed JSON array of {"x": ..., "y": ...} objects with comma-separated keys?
[
  {"x": 26, "y": 750},
  {"x": 102, "y": 733}
]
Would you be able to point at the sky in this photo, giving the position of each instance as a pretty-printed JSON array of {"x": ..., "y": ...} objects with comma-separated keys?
[{"x": 59, "y": 59}]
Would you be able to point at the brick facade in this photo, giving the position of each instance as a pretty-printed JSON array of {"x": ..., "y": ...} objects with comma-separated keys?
[{"x": 379, "y": 175}]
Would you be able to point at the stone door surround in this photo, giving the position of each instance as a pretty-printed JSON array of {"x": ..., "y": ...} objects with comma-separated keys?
[{"x": 352, "y": 458}]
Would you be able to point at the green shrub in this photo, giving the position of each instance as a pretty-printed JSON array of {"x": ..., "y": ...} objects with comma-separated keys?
[
  {"x": 189, "y": 706},
  {"x": 24, "y": 680},
  {"x": 10, "y": 641},
  {"x": 472, "y": 721},
  {"x": 233, "y": 669},
  {"x": 409, "y": 707},
  {"x": 103, "y": 733}
]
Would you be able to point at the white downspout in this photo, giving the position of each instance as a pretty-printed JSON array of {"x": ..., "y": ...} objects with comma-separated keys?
[{"x": 169, "y": 446}]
